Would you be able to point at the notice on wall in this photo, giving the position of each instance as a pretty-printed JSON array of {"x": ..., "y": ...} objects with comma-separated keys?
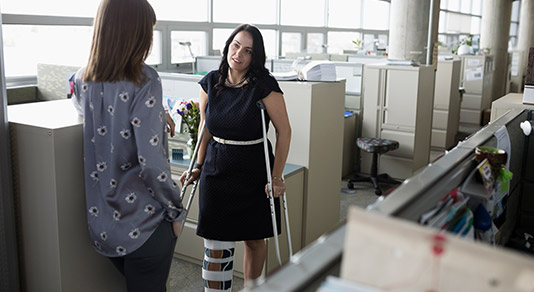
[
  {"x": 473, "y": 62},
  {"x": 473, "y": 74}
]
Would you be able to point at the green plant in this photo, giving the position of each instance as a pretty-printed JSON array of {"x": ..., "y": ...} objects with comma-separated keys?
[{"x": 357, "y": 43}]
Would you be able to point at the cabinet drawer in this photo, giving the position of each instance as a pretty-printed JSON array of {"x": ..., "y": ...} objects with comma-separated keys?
[
  {"x": 406, "y": 142},
  {"x": 470, "y": 116},
  {"x": 439, "y": 119},
  {"x": 438, "y": 138},
  {"x": 397, "y": 167},
  {"x": 472, "y": 101}
]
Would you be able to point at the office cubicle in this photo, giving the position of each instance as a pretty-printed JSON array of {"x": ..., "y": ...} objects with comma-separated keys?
[{"x": 416, "y": 195}]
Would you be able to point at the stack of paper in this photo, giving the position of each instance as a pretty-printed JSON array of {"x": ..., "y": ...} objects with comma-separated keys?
[
  {"x": 319, "y": 71},
  {"x": 291, "y": 75}
]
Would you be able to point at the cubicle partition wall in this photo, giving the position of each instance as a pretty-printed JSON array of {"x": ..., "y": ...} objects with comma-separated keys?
[
  {"x": 415, "y": 196},
  {"x": 9, "y": 278}
]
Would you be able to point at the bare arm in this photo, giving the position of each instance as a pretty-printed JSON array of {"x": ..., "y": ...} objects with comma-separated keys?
[{"x": 276, "y": 108}]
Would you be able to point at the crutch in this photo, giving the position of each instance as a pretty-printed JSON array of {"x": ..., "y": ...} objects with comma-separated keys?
[
  {"x": 270, "y": 189},
  {"x": 188, "y": 176}
]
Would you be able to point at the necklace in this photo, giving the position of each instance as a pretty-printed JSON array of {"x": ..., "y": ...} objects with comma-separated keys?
[{"x": 227, "y": 83}]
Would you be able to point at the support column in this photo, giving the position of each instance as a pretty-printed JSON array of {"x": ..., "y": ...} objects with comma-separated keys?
[
  {"x": 525, "y": 40},
  {"x": 408, "y": 29},
  {"x": 494, "y": 34}
]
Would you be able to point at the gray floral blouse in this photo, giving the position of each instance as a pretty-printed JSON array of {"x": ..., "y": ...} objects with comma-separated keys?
[{"x": 128, "y": 185}]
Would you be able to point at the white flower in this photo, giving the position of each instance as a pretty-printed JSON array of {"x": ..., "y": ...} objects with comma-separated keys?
[
  {"x": 93, "y": 139},
  {"x": 102, "y": 130},
  {"x": 150, "y": 102},
  {"x": 101, "y": 166},
  {"x": 124, "y": 96},
  {"x": 126, "y": 166},
  {"x": 111, "y": 109},
  {"x": 150, "y": 191},
  {"x": 93, "y": 211},
  {"x": 162, "y": 177},
  {"x": 125, "y": 134},
  {"x": 154, "y": 140},
  {"x": 97, "y": 245},
  {"x": 130, "y": 198},
  {"x": 116, "y": 215},
  {"x": 94, "y": 175},
  {"x": 134, "y": 233},
  {"x": 91, "y": 106},
  {"x": 142, "y": 160},
  {"x": 149, "y": 209},
  {"x": 174, "y": 185},
  {"x": 121, "y": 251},
  {"x": 104, "y": 236},
  {"x": 136, "y": 122},
  {"x": 84, "y": 87},
  {"x": 113, "y": 183}
]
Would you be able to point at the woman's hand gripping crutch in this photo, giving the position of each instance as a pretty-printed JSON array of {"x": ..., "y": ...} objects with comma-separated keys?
[
  {"x": 261, "y": 106},
  {"x": 188, "y": 176}
]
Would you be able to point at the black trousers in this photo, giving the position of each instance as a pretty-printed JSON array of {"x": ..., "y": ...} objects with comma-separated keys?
[{"x": 147, "y": 268}]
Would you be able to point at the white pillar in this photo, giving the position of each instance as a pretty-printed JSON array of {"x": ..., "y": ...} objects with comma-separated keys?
[
  {"x": 525, "y": 40},
  {"x": 408, "y": 29},
  {"x": 494, "y": 35}
]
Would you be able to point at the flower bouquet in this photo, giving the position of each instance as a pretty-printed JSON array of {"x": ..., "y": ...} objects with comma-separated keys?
[{"x": 190, "y": 114}]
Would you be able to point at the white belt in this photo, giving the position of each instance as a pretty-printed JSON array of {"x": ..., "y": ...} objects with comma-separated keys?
[{"x": 232, "y": 142}]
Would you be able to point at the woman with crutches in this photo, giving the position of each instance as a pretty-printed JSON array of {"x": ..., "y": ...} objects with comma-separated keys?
[{"x": 233, "y": 190}]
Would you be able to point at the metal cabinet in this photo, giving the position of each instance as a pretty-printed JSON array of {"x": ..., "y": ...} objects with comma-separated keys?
[{"x": 397, "y": 105}]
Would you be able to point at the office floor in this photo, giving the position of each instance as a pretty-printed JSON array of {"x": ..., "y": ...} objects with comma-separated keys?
[{"x": 186, "y": 276}]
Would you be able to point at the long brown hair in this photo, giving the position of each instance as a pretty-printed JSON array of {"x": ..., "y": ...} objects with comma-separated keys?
[{"x": 122, "y": 39}]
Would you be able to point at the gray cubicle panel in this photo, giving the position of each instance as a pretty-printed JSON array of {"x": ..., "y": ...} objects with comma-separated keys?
[{"x": 416, "y": 195}]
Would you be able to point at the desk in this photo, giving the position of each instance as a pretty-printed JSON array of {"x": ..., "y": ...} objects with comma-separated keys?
[{"x": 512, "y": 100}]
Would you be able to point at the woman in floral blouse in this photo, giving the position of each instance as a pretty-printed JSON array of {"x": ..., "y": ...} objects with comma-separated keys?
[{"x": 134, "y": 209}]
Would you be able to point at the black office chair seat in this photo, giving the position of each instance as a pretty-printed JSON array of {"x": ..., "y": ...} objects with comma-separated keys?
[{"x": 375, "y": 146}]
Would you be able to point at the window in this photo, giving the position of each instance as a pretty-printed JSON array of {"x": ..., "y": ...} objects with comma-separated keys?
[
  {"x": 86, "y": 8},
  {"x": 182, "y": 41},
  {"x": 291, "y": 42},
  {"x": 220, "y": 35},
  {"x": 179, "y": 10},
  {"x": 231, "y": 11},
  {"x": 155, "y": 54},
  {"x": 25, "y": 46},
  {"x": 315, "y": 43},
  {"x": 376, "y": 15},
  {"x": 339, "y": 41},
  {"x": 303, "y": 12},
  {"x": 344, "y": 13}
]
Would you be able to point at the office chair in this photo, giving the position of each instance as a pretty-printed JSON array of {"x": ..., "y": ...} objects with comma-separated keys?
[{"x": 375, "y": 146}]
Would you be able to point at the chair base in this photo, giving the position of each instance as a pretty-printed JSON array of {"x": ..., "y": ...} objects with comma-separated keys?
[{"x": 381, "y": 178}]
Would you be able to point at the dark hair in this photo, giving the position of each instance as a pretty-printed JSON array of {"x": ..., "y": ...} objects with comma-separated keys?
[
  {"x": 122, "y": 39},
  {"x": 257, "y": 65}
]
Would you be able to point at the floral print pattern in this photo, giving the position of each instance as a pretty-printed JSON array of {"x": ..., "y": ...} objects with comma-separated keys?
[{"x": 128, "y": 186}]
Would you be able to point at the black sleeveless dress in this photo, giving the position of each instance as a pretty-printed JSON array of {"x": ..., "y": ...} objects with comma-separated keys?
[{"x": 232, "y": 201}]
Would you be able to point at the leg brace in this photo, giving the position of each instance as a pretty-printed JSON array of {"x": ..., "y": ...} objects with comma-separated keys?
[{"x": 218, "y": 266}]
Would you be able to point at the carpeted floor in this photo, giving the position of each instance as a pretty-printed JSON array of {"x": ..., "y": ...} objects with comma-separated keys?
[{"x": 186, "y": 276}]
